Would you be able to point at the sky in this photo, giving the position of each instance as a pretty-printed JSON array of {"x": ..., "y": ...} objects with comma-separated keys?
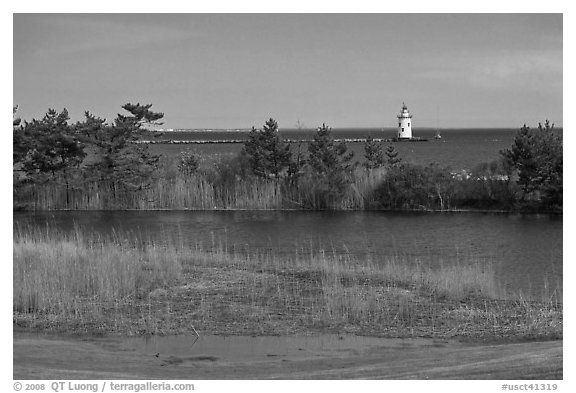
[{"x": 345, "y": 70}]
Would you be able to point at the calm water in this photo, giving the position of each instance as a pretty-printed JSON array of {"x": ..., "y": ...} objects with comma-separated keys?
[
  {"x": 239, "y": 348},
  {"x": 525, "y": 250},
  {"x": 458, "y": 148}
]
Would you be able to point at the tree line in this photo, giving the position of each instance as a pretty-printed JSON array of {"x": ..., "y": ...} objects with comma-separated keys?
[
  {"x": 52, "y": 150},
  {"x": 94, "y": 156}
]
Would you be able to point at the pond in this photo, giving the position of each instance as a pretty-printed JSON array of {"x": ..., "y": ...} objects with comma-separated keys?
[
  {"x": 209, "y": 348},
  {"x": 525, "y": 251}
]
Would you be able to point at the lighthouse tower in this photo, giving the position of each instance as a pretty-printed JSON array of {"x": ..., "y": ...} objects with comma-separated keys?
[{"x": 404, "y": 123}]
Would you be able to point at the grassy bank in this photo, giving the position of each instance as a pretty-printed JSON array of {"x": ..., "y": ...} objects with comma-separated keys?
[
  {"x": 225, "y": 184},
  {"x": 227, "y": 181},
  {"x": 95, "y": 285}
]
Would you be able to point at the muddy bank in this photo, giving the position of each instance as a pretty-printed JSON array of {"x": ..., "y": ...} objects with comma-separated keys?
[{"x": 294, "y": 357}]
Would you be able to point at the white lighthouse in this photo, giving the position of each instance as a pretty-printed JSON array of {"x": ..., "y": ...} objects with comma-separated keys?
[{"x": 404, "y": 123}]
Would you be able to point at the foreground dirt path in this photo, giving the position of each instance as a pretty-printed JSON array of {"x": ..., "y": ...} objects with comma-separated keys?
[{"x": 66, "y": 358}]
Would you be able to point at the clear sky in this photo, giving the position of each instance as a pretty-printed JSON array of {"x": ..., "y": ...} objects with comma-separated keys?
[{"x": 235, "y": 71}]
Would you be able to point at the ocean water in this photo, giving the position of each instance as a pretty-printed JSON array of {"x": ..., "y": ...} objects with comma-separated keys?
[{"x": 457, "y": 149}]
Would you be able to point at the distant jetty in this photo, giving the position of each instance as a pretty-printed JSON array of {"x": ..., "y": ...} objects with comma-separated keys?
[
  {"x": 199, "y": 130},
  {"x": 215, "y": 141}
]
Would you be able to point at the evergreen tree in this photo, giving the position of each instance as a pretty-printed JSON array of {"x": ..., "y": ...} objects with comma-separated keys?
[
  {"x": 47, "y": 150},
  {"x": 19, "y": 148},
  {"x": 267, "y": 154},
  {"x": 536, "y": 155},
  {"x": 373, "y": 153},
  {"x": 140, "y": 116},
  {"x": 47, "y": 146},
  {"x": 15, "y": 120},
  {"x": 298, "y": 161},
  {"x": 188, "y": 163},
  {"x": 329, "y": 161},
  {"x": 296, "y": 164},
  {"x": 327, "y": 156},
  {"x": 91, "y": 130},
  {"x": 392, "y": 156},
  {"x": 117, "y": 155}
]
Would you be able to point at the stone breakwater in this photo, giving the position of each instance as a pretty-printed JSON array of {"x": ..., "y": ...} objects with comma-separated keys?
[{"x": 210, "y": 141}]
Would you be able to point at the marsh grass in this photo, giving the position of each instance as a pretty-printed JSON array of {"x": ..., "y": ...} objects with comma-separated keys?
[
  {"x": 219, "y": 183},
  {"x": 360, "y": 193},
  {"x": 133, "y": 285},
  {"x": 57, "y": 274},
  {"x": 193, "y": 192}
]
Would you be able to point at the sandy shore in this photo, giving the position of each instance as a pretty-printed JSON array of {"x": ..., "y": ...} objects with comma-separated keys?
[{"x": 58, "y": 357}]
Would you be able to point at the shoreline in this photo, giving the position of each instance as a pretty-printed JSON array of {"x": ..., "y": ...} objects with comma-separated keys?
[
  {"x": 414, "y": 321},
  {"x": 165, "y": 288},
  {"x": 468, "y": 340}
]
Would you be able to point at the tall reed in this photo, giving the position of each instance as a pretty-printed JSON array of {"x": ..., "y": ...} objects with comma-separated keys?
[
  {"x": 67, "y": 276},
  {"x": 58, "y": 273},
  {"x": 182, "y": 192},
  {"x": 227, "y": 183}
]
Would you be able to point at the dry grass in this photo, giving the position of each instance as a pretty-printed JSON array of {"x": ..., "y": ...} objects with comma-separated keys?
[
  {"x": 170, "y": 189},
  {"x": 58, "y": 274},
  {"x": 359, "y": 194},
  {"x": 77, "y": 283},
  {"x": 193, "y": 192}
]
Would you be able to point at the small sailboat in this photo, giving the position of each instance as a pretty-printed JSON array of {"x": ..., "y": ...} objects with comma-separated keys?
[{"x": 437, "y": 135}]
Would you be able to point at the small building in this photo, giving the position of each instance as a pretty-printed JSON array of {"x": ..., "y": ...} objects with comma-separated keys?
[{"x": 404, "y": 123}]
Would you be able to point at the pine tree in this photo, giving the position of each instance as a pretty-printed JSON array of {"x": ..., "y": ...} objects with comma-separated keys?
[
  {"x": 19, "y": 148},
  {"x": 326, "y": 156},
  {"x": 188, "y": 163},
  {"x": 536, "y": 155},
  {"x": 47, "y": 150},
  {"x": 267, "y": 153},
  {"x": 48, "y": 146},
  {"x": 392, "y": 156},
  {"x": 373, "y": 154},
  {"x": 141, "y": 115},
  {"x": 329, "y": 162},
  {"x": 117, "y": 156}
]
